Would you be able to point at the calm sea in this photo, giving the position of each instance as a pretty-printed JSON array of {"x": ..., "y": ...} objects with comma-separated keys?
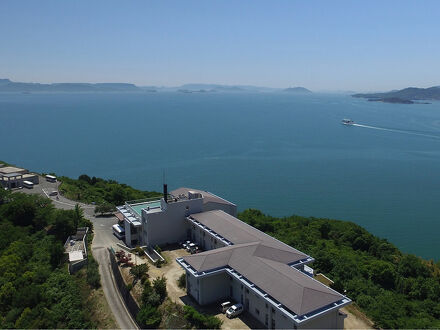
[{"x": 283, "y": 154}]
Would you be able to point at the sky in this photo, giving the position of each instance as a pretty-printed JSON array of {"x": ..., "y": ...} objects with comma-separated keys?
[{"x": 322, "y": 45}]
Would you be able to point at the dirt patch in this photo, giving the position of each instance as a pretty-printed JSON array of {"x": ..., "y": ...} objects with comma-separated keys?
[{"x": 356, "y": 319}]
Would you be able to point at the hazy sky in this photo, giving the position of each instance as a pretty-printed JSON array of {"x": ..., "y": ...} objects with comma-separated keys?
[{"x": 322, "y": 45}]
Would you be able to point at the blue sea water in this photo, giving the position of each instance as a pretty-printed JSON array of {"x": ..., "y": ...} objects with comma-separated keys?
[{"x": 281, "y": 153}]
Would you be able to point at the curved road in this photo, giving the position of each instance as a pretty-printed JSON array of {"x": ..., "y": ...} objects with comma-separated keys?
[{"x": 102, "y": 240}]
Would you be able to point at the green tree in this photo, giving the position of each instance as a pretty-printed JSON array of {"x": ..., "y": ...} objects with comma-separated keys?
[
  {"x": 149, "y": 317},
  {"x": 103, "y": 208},
  {"x": 181, "y": 281},
  {"x": 139, "y": 271},
  {"x": 78, "y": 215},
  {"x": 160, "y": 287}
]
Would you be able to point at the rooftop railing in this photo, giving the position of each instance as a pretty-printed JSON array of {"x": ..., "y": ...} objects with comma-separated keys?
[{"x": 143, "y": 200}]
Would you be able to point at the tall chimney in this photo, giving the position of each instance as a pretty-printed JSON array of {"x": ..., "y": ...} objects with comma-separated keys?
[{"x": 165, "y": 192}]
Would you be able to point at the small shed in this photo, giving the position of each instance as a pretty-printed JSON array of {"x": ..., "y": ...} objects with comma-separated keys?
[{"x": 75, "y": 256}]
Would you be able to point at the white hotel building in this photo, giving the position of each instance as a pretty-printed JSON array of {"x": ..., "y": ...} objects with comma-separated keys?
[{"x": 239, "y": 262}]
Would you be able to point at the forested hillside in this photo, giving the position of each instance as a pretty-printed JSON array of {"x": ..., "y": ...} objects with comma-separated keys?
[
  {"x": 36, "y": 290},
  {"x": 91, "y": 189},
  {"x": 394, "y": 289}
]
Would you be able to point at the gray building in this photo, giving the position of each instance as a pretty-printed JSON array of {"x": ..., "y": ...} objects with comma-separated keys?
[
  {"x": 12, "y": 177},
  {"x": 162, "y": 221},
  {"x": 240, "y": 263}
]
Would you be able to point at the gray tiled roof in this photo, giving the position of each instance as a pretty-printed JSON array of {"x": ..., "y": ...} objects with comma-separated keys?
[
  {"x": 239, "y": 232},
  {"x": 264, "y": 261}
]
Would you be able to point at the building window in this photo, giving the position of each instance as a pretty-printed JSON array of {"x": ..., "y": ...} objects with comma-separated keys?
[
  {"x": 267, "y": 306},
  {"x": 266, "y": 320},
  {"x": 215, "y": 241},
  {"x": 230, "y": 278},
  {"x": 257, "y": 311},
  {"x": 247, "y": 290}
]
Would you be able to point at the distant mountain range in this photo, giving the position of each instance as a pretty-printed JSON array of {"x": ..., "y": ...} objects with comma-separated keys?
[
  {"x": 406, "y": 95},
  {"x": 7, "y": 85},
  {"x": 297, "y": 90}
]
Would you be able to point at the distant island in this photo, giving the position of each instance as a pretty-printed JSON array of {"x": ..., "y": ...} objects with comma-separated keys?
[
  {"x": 7, "y": 85},
  {"x": 297, "y": 90},
  {"x": 404, "y": 96},
  {"x": 391, "y": 100}
]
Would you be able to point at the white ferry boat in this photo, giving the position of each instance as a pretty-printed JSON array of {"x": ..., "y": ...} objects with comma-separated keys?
[{"x": 347, "y": 122}]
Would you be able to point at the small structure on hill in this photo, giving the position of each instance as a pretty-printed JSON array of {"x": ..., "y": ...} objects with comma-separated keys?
[
  {"x": 12, "y": 177},
  {"x": 76, "y": 248}
]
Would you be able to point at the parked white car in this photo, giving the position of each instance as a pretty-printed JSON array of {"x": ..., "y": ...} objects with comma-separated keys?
[
  {"x": 225, "y": 306},
  {"x": 191, "y": 247},
  {"x": 234, "y": 311}
]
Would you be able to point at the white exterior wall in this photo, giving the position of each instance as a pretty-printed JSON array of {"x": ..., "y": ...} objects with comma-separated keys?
[
  {"x": 168, "y": 226},
  {"x": 222, "y": 286},
  {"x": 214, "y": 288},
  {"x": 228, "y": 208},
  {"x": 127, "y": 232},
  {"x": 332, "y": 320},
  {"x": 192, "y": 286},
  {"x": 257, "y": 306},
  {"x": 204, "y": 239}
]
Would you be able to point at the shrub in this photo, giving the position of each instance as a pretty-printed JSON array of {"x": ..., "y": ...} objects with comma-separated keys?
[
  {"x": 129, "y": 286},
  {"x": 139, "y": 271},
  {"x": 158, "y": 263},
  {"x": 93, "y": 278},
  {"x": 149, "y": 317},
  {"x": 181, "y": 281},
  {"x": 104, "y": 208},
  {"x": 160, "y": 287},
  {"x": 201, "y": 321}
]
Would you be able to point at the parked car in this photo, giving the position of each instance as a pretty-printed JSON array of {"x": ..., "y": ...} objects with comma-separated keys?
[
  {"x": 234, "y": 311},
  {"x": 225, "y": 306},
  {"x": 191, "y": 247},
  {"x": 185, "y": 244},
  {"x": 53, "y": 193}
]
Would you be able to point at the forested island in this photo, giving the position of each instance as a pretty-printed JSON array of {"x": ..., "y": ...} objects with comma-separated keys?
[
  {"x": 297, "y": 90},
  {"x": 392, "y": 100},
  {"x": 404, "y": 96}
]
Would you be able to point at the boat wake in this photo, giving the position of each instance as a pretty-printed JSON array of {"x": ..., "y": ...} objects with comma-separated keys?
[{"x": 402, "y": 131}]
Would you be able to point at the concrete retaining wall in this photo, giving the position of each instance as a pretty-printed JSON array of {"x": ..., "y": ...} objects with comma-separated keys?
[
  {"x": 75, "y": 266},
  {"x": 129, "y": 301}
]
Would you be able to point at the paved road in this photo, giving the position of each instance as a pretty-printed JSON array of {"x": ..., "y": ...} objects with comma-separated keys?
[{"x": 102, "y": 240}]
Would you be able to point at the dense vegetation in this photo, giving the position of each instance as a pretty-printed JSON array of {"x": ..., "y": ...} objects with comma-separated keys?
[
  {"x": 158, "y": 311},
  {"x": 396, "y": 290},
  {"x": 102, "y": 192},
  {"x": 153, "y": 295},
  {"x": 36, "y": 290}
]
